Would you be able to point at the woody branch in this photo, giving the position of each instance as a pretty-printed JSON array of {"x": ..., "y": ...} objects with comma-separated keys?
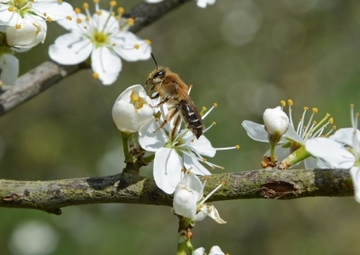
[{"x": 129, "y": 188}]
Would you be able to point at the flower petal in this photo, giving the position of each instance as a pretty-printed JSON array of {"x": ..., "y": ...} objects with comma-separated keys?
[
  {"x": 70, "y": 49},
  {"x": 215, "y": 250},
  {"x": 255, "y": 131},
  {"x": 105, "y": 63},
  {"x": 202, "y": 146},
  {"x": 167, "y": 169},
  {"x": 192, "y": 163},
  {"x": 331, "y": 152},
  {"x": 208, "y": 210},
  {"x": 9, "y": 69},
  {"x": 355, "y": 175},
  {"x": 150, "y": 138}
]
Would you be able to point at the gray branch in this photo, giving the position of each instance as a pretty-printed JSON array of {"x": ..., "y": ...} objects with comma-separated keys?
[
  {"x": 49, "y": 73},
  {"x": 129, "y": 188}
]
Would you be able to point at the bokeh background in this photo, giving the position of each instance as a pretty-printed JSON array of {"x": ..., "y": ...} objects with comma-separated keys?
[{"x": 246, "y": 55}]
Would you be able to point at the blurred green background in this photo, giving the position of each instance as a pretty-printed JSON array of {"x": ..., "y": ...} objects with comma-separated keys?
[{"x": 246, "y": 55}]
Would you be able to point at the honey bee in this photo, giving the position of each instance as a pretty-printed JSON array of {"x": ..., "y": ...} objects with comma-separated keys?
[{"x": 174, "y": 92}]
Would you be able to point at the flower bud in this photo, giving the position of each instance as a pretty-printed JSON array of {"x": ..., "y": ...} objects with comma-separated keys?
[
  {"x": 26, "y": 34},
  {"x": 132, "y": 109},
  {"x": 276, "y": 121}
]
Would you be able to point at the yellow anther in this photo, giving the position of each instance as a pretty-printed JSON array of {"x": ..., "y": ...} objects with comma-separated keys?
[
  {"x": 352, "y": 105},
  {"x": 44, "y": 14},
  {"x": 147, "y": 41},
  {"x": 204, "y": 159},
  {"x": 290, "y": 102},
  {"x": 77, "y": 10},
  {"x": 17, "y": 26},
  {"x": 85, "y": 5},
  {"x": 130, "y": 21},
  {"x": 357, "y": 114},
  {"x": 331, "y": 121},
  {"x": 112, "y": 3},
  {"x": 213, "y": 168},
  {"x": 283, "y": 103},
  {"x": 214, "y": 123},
  {"x": 69, "y": 17},
  {"x": 222, "y": 168},
  {"x": 315, "y": 110},
  {"x": 96, "y": 1},
  {"x": 11, "y": 9},
  {"x": 334, "y": 127},
  {"x": 59, "y": 1},
  {"x": 237, "y": 146},
  {"x": 223, "y": 183},
  {"x": 78, "y": 20},
  {"x": 48, "y": 19},
  {"x": 87, "y": 18},
  {"x": 95, "y": 75},
  {"x": 306, "y": 108},
  {"x": 215, "y": 104},
  {"x": 120, "y": 10},
  {"x": 98, "y": 12},
  {"x": 314, "y": 122},
  {"x": 137, "y": 46}
]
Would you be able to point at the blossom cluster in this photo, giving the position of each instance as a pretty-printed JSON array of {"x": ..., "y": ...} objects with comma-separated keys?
[{"x": 23, "y": 26}]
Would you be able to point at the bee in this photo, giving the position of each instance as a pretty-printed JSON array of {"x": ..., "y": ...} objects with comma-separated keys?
[{"x": 174, "y": 92}]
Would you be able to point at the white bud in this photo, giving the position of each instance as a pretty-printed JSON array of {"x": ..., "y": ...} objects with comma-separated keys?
[
  {"x": 276, "y": 121},
  {"x": 26, "y": 34}
]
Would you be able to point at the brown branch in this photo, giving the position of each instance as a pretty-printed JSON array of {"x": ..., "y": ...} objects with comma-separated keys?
[
  {"x": 49, "y": 73},
  {"x": 50, "y": 196}
]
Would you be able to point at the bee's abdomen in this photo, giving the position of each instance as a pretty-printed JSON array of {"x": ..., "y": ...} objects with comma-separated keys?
[{"x": 192, "y": 118}]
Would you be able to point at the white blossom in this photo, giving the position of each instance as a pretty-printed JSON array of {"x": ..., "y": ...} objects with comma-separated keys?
[
  {"x": 276, "y": 121},
  {"x": 102, "y": 37},
  {"x": 27, "y": 35},
  {"x": 132, "y": 109}
]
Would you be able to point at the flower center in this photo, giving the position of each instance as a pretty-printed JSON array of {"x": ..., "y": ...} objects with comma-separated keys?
[
  {"x": 100, "y": 38},
  {"x": 20, "y": 6}
]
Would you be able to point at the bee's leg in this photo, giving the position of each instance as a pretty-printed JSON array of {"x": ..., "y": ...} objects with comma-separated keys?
[
  {"x": 162, "y": 102},
  {"x": 172, "y": 112}
]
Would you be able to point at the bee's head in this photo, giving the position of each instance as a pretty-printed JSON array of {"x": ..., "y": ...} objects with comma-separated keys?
[{"x": 156, "y": 76}]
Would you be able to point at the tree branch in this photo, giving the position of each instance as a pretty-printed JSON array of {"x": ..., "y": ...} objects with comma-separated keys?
[
  {"x": 49, "y": 73},
  {"x": 50, "y": 196}
]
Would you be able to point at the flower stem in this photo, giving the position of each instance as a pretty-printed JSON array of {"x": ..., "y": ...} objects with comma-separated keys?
[
  {"x": 295, "y": 157},
  {"x": 125, "y": 139}
]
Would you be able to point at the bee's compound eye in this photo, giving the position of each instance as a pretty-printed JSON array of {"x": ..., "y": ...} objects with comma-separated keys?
[{"x": 159, "y": 74}]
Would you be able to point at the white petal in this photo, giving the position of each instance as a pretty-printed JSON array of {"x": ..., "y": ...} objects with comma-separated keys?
[
  {"x": 199, "y": 251},
  {"x": 125, "y": 43},
  {"x": 191, "y": 163},
  {"x": 331, "y": 152},
  {"x": 343, "y": 135},
  {"x": 184, "y": 202},
  {"x": 255, "y": 131},
  {"x": 215, "y": 250},
  {"x": 203, "y": 146},
  {"x": 292, "y": 135},
  {"x": 105, "y": 63},
  {"x": 9, "y": 67},
  {"x": 29, "y": 35},
  {"x": 149, "y": 138},
  {"x": 193, "y": 183},
  {"x": 208, "y": 210},
  {"x": 70, "y": 49},
  {"x": 355, "y": 175},
  {"x": 56, "y": 10},
  {"x": 167, "y": 169}
]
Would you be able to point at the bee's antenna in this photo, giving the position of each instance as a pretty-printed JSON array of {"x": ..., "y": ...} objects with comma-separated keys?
[{"x": 153, "y": 57}]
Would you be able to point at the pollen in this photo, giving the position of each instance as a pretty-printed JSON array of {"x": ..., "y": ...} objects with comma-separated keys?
[
  {"x": 130, "y": 21},
  {"x": 223, "y": 183},
  {"x": 306, "y": 108},
  {"x": 69, "y": 18},
  {"x": 120, "y": 10},
  {"x": 112, "y": 3},
  {"x": 215, "y": 104},
  {"x": 331, "y": 121},
  {"x": 48, "y": 19},
  {"x": 290, "y": 102},
  {"x": 11, "y": 8},
  {"x": 147, "y": 41},
  {"x": 222, "y": 167},
  {"x": 87, "y": 18},
  {"x": 237, "y": 146},
  {"x": 213, "y": 123},
  {"x": 78, "y": 20},
  {"x": 283, "y": 103},
  {"x": 212, "y": 167},
  {"x": 77, "y": 10},
  {"x": 137, "y": 46},
  {"x": 59, "y": 1},
  {"x": 44, "y": 14},
  {"x": 96, "y": 1},
  {"x": 95, "y": 75},
  {"x": 315, "y": 110},
  {"x": 98, "y": 12},
  {"x": 17, "y": 26},
  {"x": 85, "y": 6}
]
